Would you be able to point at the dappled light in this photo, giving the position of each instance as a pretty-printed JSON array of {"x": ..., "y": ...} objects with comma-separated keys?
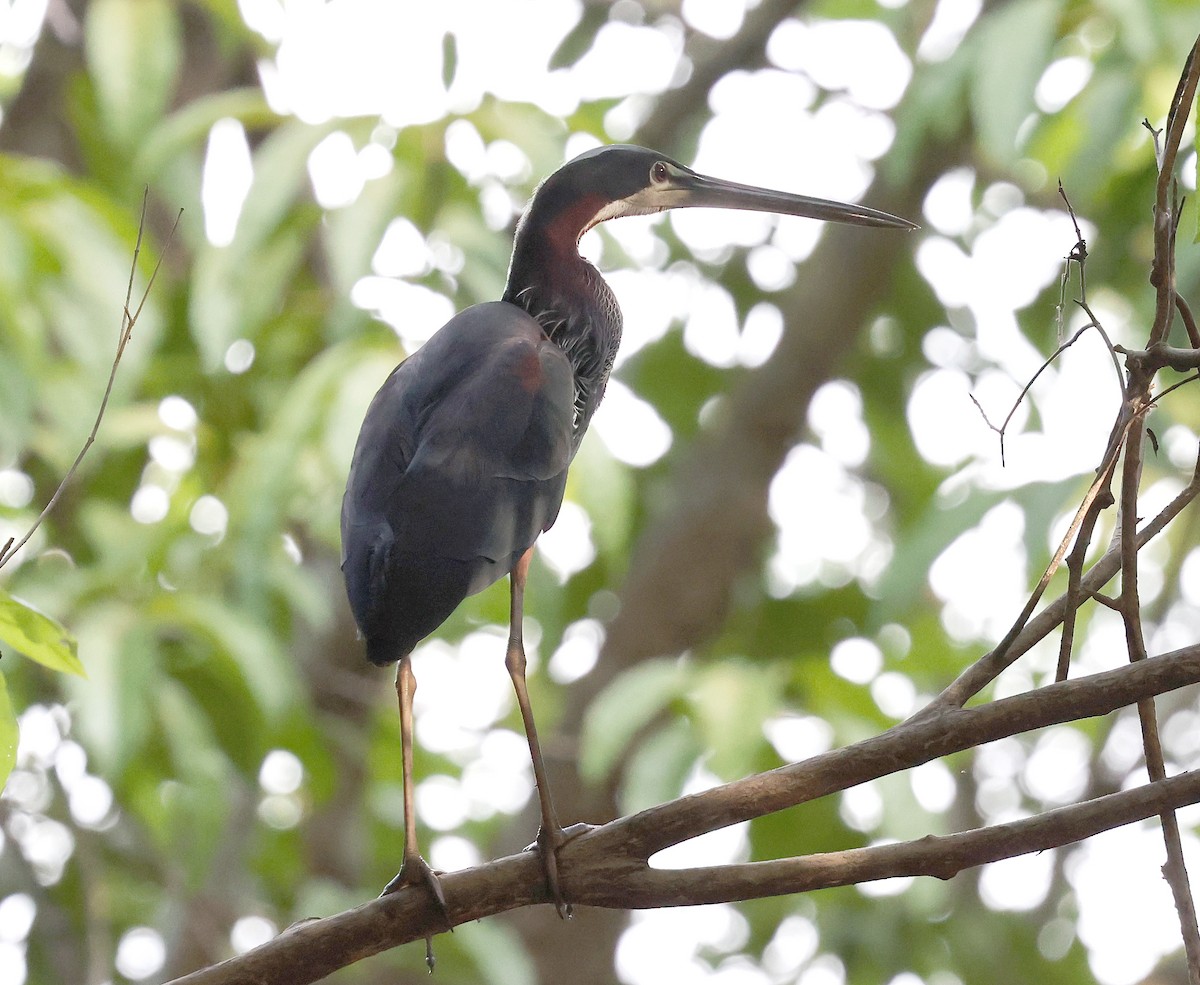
[{"x": 830, "y": 467}]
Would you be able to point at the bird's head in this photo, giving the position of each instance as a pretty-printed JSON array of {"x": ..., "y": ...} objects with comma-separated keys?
[{"x": 621, "y": 179}]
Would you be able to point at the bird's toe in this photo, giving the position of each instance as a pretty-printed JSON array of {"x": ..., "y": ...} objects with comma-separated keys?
[
  {"x": 415, "y": 871},
  {"x": 549, "y": 841}
]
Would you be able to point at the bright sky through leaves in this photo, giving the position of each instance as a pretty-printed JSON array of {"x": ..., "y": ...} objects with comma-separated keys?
[
  {"x": 826, "y": 151},
  {"x": 815, "y": 119}
]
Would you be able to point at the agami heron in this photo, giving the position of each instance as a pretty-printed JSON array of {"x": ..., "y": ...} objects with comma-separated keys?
[{"x": 462, "y": 458}]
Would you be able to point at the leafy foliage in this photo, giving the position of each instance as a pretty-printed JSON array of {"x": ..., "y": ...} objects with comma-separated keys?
[
  {"x": 250, "y": 753},
  {"x": 38, "y": 637}
]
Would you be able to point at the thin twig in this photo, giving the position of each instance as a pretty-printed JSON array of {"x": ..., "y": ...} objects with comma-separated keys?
[
  {"x": 1103, "y": 499},
  {"x": 988, "y": 667},
  {"x": 1078, "y": 256},
  {"x": 1189, "y": 320},
  {"x": 128, "y": 321},
  {"x": 958, "y": 693},
  {"x": 1174, "y": 386},
  {"x": 1094, "y": 322},
  {"x": 1002, "y": 430},
  {"x": 1075, "y": 564},
  {"x": 1154, "y": 135}
]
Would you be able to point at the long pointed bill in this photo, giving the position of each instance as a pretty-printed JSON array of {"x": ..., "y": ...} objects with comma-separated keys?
[{"x": 686, "y": 189}]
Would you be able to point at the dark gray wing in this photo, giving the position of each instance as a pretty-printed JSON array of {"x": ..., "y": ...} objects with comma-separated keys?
[{"x": 460, "y": 464}]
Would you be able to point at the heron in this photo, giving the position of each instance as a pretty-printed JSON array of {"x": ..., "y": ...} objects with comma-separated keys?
[{"x": 461, "y": 463}]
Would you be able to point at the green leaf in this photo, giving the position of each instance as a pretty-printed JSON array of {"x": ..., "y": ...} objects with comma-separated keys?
[
  {"x": 8, "y": 734},
  {"x": 732, "y": 699},
  {"x": 245, "y": 643},
  {"x": 133, "y": 52},
  {"x": 497, "y": 953},
  {"x": 236, "y": 288},
  {"x": 579, "y": 40},
  {"x": 623, "y": 709},
  {"x": 1010, "y": 52},
  {"x": 187, "y": 129},
  {"x": 38, "y": 636},
  {"x": 449, "y": 58},
  {"x": 111, "y": 714},
  {"x": 659, "y": 767}
]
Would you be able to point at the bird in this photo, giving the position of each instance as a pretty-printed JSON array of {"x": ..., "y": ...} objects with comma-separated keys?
[{"x": 461, "y": 462}]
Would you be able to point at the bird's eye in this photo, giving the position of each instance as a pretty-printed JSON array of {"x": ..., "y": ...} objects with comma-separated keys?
[{"x": 659, "y": 172}]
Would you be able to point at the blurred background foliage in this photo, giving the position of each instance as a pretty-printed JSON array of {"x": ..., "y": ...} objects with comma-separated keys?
[{"x": 230, "y": 764}]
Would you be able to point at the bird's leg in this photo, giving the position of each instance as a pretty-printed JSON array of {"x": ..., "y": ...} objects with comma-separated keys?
[
  {"x": 414, "y": 870},
  {"x": 550, "y": 834}
]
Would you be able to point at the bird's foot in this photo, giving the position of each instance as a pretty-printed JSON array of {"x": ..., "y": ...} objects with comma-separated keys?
[
  {"x": 549, "y": 841},
  {"x": 415, "y": 871}
]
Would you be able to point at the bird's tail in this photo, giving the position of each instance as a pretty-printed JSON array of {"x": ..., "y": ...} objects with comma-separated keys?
[{"x": 381, "y": 651}]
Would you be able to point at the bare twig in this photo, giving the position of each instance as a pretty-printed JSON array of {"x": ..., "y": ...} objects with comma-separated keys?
[
  {"x": 1078, "y": 256},
  {"x": 1002, "y": 430},
  {"x": 988, "y": 667},
  {"x": 128, "y": 320},
  {"x": 1173, "y": 387},
  {"x": 1189, "y": 320},
  {"x": 1154, "y": 135},
  {"x": 1075, "y": 563},
  {"x": 1103, "y": 499}
]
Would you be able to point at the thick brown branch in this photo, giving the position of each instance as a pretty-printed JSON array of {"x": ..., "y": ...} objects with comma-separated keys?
[
  {"x": 1159, "y": 356},
  {"x": 910, "y": 744},
  {"x": 607, "y": 866},
  {"x": 940, "y": 857}
]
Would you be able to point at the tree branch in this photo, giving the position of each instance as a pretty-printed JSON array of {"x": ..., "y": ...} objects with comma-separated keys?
[
  {"x": 608, "y": 865},
  {"x": 988, "y": 667},
  {"x": 1159, "y": 356},
  {"x": 1138, "y": 401},
  {"x": 1162, "y": 275},
  {"x": 941, "y": 857},
  {"x": 902, "y": 747}
]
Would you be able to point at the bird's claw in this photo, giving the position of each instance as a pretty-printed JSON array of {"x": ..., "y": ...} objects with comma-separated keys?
[
  {"x": 547, "y": 844},
  {"x": 415, "y": 871}
]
